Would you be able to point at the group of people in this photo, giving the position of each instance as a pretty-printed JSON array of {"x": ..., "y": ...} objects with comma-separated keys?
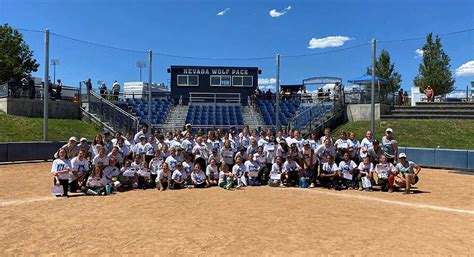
[
  {"x": 231, "y": 160},
  {"x": 26, "y": 88}
]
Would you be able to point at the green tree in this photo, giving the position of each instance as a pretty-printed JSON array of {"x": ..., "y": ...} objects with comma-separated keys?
[
  {"x": 435, "y": 70},
  {"x": 386, "y": 70},
  {"x": 16, "y": 58}
]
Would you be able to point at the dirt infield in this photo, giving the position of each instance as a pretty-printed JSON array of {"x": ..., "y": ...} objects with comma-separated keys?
[{"x": 438, "y": 220}]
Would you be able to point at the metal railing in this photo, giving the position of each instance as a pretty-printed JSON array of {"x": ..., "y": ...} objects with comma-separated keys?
[
  {"x": 67, "y": 93},
  {"x": 108, "y": 112},
  {"x": 214, "y": 98}
]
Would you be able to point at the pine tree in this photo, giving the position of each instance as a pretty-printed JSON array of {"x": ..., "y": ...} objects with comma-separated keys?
[
  {"x": 16, "y": 58},
  {"x": 435, "y": 70},
  {"x": 386, "y": 70}
]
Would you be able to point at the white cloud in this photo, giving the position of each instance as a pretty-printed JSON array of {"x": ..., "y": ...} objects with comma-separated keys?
[
  {"x": 466, "y": 70},
  {"x": 419, "y": 53},
  {"x": 266, "y": 81},
  {"x": 275, "y": 14},
  {"x": 332, "y": 41},
  {"x": 222, "y": 13}
]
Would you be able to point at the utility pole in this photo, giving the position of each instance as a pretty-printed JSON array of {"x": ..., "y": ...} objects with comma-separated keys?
[
  {"x": 54, "y": 62},
  {"x": 140, "y": 66},
  {"x": 46, "y": 85},
  {"x": 150, "y": 56},
  {"x": 372, "y": 97},
  {"x": 277, "y": 93}
]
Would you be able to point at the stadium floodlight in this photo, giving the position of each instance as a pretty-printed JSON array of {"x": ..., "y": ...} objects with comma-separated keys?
[
  {"x": 54, "y": 62},
  {"x": 140, "y": 66}
]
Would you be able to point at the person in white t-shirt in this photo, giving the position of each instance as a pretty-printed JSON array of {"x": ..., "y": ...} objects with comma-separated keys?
[
  {"x": 366, "y": 144},
  {"x": 111, "y": 172},
  {"x": 212, "y": 173},
  {"x": 365, "y": 174},
  {"x": 240, "y": 173},
  {"x": 384, "y": 175},
  {"x": 349, "y": 171},
  {"x": 342, "y": 146},
  {"x": 163, "y": 179},
  {"x": 291, "y": 171},
  {"x": 60, "y": 170},
  {"x": 155, "y": 168},
  {"x": 187, "y": 143},
  {"x": 252, "y": 168},
  {"x": 330, "y": 173},
  {"x": 96, "y": 181},
  {"x": 79, "y": 171},
  {"x": 199, "y": 177},
  {"x": 101, "y": 158},
  {"x": 276, "y": 173},
  {"x": 177, "y": 179}
]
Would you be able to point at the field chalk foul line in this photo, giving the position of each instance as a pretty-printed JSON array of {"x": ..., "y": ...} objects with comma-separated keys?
[
  {"x": 27, "y": 200},
  {"x": 393, "y": 202}
]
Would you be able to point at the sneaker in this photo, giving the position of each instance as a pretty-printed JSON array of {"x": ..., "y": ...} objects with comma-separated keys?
[
  {"x": 367, "y": 190},
  {"x": 390, "y": 190},
  {"x": 91, "y": 192},
  {"x": 312, "y": 185},
  {"x": 360, "y": 188}
]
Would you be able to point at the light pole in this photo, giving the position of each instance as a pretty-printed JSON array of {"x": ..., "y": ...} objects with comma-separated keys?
[
  {"x": 141, "y": 65},
  {"x": 54, "y": 62}
]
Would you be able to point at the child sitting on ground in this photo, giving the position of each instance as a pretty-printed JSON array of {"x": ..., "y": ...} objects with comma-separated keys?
[
  {"x": 212, "y": 173},
  {"x": 96, "y": 181},
  {"x": 199, "y": 177}
]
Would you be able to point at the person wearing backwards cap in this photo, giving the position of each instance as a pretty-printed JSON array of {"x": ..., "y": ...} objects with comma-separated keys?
[
  {"x": 83, "y": 145},
  {"x": 407, "y": 173},
  {"x": 390, "y": 146},
  {"x": 71, "y": 149}
]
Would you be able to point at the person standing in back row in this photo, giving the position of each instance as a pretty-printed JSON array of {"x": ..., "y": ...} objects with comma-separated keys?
[
  {"x": 390, "y": 146},
  {"x": 116, "y": 90},
  {"x": 429, "y": 92},
  {"x": 103, "y": 90},
  {"x": 59, "y": 89}
]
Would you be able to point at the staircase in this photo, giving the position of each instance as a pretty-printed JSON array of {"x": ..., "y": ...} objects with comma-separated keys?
[
  {"x": 436, "y": 110},
  {"x": 176, "y": 118},
  {"x": 252, "y": 118}
]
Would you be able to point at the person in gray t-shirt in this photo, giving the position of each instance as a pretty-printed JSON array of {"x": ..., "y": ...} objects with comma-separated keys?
[
  {"x": 390, "y": 146},
  {"x": 407, "y": 173}
]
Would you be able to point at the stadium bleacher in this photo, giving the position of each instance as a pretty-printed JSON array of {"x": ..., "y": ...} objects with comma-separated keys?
[
  {"x": 228, "y": 115},
  {"x": 288, "y": 109},
  {"x": 159, "y": 109}
]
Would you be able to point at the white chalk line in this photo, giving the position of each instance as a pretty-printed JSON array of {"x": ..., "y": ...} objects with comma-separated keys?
[
  {"x": 393, "y": 202},
  {"x": 338, "y": 194},
  {"x": 27, "y": 200}
]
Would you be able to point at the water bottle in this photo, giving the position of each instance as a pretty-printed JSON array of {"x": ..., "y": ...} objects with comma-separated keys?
[
  {"x": 303, "y": 182},
  {"x": 107, "y": 189}
]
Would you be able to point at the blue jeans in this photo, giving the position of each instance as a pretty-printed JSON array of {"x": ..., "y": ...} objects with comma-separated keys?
[{"x": 254, "y": 181}]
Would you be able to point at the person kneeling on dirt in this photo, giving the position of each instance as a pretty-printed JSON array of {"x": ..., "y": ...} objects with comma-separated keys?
[
  {"x": 349, "y": 171},
  {"x": 96, "y": 181},
  {"x": 111, "y": 174},
  {"x": 407, "y": 173},
  {"x": 276, "y": 173},
  {"x": 199, "y": 177},
  {"x": 365, "y": 174},
  {"x": 291, "y": 169},
  {"x": 384, "y": 175},
  {"x": 177, "y": 179},
  {"x": 129, "y": 175},
  {"x": 330, "y": 173},
  {"x": 80, "y": 171},
  {"x": 252, "y": 168},
  {"x": 163, "y": 179}
]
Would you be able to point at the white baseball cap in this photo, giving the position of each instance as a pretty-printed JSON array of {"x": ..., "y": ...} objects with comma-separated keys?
[
  {"x": 73, "y": 139},
  {"x": 402, "y": 155},
  {"x": 389, "y": 130},
  {"x": 83, "y": 139}
]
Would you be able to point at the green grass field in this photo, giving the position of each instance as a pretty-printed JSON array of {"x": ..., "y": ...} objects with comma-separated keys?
[
  {"x": 450, "y": 134},
  {"x": 18, "y": 128}
]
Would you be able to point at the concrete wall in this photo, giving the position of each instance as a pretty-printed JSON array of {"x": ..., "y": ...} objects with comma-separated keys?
[
  {"x": 34, "y": 108},
  {"x": 357, "y": 112},
  {"x": 28, "y": 151}
]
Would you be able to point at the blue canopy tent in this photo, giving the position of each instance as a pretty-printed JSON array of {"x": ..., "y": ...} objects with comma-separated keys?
[{"x": 367, "y": 79}]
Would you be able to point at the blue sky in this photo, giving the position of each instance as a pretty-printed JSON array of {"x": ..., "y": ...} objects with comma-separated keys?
[{"x": 246, "y": 29}]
